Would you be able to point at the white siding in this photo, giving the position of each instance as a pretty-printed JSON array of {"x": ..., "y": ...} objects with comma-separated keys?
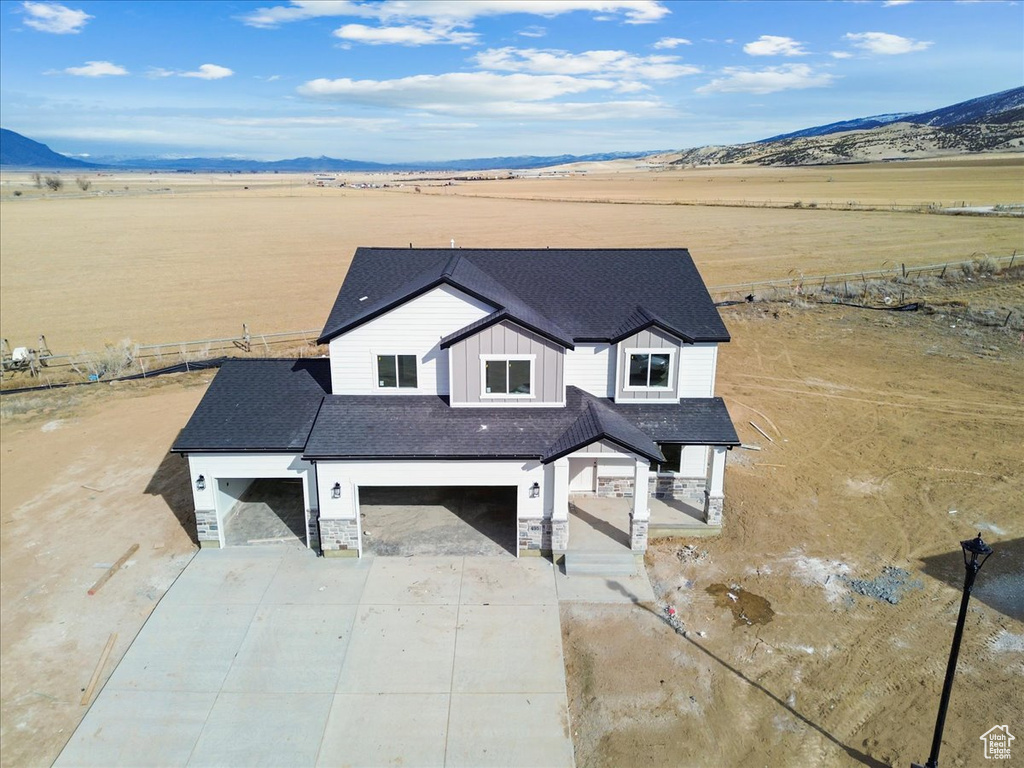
[
  {"x": 590, "y": 367},
  {"x": 415, "y": 327},
  {"x": 695, "y": 461},
  {"x": 697, "y": 370}
]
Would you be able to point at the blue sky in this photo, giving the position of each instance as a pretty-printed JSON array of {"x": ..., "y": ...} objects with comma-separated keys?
[{"x": 400, "y": 80}]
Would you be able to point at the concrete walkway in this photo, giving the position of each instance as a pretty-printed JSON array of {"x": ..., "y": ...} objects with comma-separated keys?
[{"x": 269, "y": 656}]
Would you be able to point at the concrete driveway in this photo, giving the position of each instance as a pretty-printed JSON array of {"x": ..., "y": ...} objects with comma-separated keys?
[{"x": 269, "y": 656}]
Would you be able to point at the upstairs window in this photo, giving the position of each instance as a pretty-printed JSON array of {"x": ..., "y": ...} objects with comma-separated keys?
[
  {"x": 507, "y": 375},
  {"x": 396, "y": 372},
  {"x": 649, "y": 369}
]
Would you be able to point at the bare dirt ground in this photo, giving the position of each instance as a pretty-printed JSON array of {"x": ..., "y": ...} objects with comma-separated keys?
[
  {"x": 895, "y": 436},
  {"x": 86, "y": 474},
  {"x": 182, "y": 258},
  {"x": 883, "y": 424}
]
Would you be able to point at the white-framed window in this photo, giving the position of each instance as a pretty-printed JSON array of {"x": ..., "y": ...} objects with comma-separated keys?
[
  {"x": 396, "y": 371},
  {"x": 507, "y": 376},
  {"x": 648, "y": 369}
]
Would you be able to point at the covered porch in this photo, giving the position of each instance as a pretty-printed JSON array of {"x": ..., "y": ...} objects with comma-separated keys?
[{"x": 601, "y": 523}]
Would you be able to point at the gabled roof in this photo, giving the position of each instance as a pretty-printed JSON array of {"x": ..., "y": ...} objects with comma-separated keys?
[
  {"x": 580, "y": 294},
  {"x": 459, "y": 273},
  {"x": 640, "y": 319},
  {"x": 599, "y": 422},
  {"x": 538, "y": 326},
  {"x": 258, "y": 405}
]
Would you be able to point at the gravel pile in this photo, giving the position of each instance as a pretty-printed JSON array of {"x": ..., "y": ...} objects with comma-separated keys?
[{"x": 890, "y": 586}]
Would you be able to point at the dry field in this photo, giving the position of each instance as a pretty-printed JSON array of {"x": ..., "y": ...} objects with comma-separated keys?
[
  {"x": 182, "y": 257},
  {"x": 883, "y": 424}
]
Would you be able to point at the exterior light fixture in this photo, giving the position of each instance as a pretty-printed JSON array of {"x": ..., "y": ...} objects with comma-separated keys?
[
  {"x": 535, "y": 490},
  {"x": 976, "y": 552},
  {"x": 200, "y": 483},
  {"x": 336, "y": 491}
]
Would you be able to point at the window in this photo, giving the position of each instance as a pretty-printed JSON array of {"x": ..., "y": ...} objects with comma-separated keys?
[
  {"x": 507, "y": 376},
  {"x": 649, "y": 369},
  {"x": 673, "y": 453},
  {"x": 396, "y": 371}
]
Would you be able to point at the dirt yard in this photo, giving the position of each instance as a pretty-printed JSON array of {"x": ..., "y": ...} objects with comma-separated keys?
[
  {"x": 176, "y": 259},
  {"x": 895, "y": 435}
]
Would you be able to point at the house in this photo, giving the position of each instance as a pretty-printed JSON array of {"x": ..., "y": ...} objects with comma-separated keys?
[{"x": 555, "y": 372}]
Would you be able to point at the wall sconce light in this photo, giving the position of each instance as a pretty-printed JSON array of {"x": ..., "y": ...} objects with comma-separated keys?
[
  {"x": 200, "y": 483},
  {"x": 336, "y": 491},
  {"x": 535, "y": 490}
]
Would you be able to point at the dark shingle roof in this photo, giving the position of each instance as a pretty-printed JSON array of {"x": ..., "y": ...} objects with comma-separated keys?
[
  {"x": 599, "y": 421},
  {"x": 456, "y": 271},
  {"x": 585, "y": 294},
  {"x": 424, "y": 427},
  {"x": 641, "y": 319},
  {"x": 258, "y": 405},
  {"x": 286, "y": 406},
  {"x": 695, "y": 421}
]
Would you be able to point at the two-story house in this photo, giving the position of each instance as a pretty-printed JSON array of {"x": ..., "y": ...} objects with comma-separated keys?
[{"x": 551, "y": 371}]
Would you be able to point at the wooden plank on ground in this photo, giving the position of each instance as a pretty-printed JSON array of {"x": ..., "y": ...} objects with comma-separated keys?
[
  {"x": 113, "y": 569},
  {"x": 87, "y": 695}
]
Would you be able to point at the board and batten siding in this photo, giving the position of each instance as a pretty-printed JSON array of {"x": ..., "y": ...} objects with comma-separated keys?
[
  {"x": 652, "y": 338},
  {"x": 591, "y": 367},
  {"x": 506, "y": 338},
  {"x": 697, "y": 364},
  {"x": 694, "y": 461},
  {"x": 415, "y": 327}
]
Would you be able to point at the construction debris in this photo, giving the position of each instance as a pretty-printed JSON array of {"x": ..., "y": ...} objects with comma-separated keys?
[{"x": 113, "y": 569}]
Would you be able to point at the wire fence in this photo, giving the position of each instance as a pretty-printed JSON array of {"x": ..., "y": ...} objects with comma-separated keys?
[{"x": 799, "y": 282}]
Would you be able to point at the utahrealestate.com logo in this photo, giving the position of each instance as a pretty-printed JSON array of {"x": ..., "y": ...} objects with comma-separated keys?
[{"x": 997, "y": 742}]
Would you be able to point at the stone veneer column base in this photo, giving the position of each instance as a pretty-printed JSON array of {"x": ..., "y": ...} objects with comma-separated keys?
[
  {"x": 339, "y": 538},
  {"x": 713, "y": 509},
  {"x": 658, "y": 487},
  {"x": 638, "y": 534},
  {"x": 541, "y": 536},
  {"x": 207, "y": 530}
]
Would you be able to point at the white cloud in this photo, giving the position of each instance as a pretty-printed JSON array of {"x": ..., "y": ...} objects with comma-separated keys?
[
  {"x": 361, "y": 123},
  {"x": 452, "y": 12},
  {"x": 532, "y": 31},
  {"x": 671, "y": 42},
  {"x": 404, "y": 35},
  {"x": 96, "y": 69},
  {"x": 891, "y": 3},
  {"x": 209, "y": 72},
  {"x": 773, "y": 45},
  {"x": 885, "y": 44},
  {"x": 588, "y": 63},
  {"x": 841, "y": 55},
  {"x": 788, "y": 77},
  {"x": 486, "y": 94},
  {"x": 55, "y": 18}
]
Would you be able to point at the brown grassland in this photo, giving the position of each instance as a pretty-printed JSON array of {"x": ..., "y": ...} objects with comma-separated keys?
[{"x": 895, "y": 435}]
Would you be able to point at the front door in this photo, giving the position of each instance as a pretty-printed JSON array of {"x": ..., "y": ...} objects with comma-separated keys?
[{"x": 583, "y": 476}]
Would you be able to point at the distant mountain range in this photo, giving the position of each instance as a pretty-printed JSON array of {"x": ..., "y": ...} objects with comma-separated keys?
[
  {"x": 993, "y": 123},
  {"x": 18, "y": 151},
  {"x": 989, "y": 123}
]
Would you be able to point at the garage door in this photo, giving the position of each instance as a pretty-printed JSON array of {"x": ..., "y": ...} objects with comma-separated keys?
[{"x": 455, "y": 520}]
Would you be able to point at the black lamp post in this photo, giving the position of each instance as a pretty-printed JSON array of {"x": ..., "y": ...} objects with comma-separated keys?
[{"x": 976, "y": 552}]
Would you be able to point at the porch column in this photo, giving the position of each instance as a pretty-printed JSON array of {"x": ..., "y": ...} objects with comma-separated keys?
[
  {"x": 560, "y": 507},
  {"x": 714, "y": 495},
  {"x": 641, "y": 514}
]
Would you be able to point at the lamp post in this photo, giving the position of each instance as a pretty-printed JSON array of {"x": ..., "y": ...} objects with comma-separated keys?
[{"x": 976, "y": 552}]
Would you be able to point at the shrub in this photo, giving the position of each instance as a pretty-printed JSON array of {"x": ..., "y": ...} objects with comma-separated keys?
[
  {"x": 83, "y": 183},
  {"x": 17, "y": 193},
  {"x": 54, "y": 183},
  {"x": 37, "y": 179}
]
